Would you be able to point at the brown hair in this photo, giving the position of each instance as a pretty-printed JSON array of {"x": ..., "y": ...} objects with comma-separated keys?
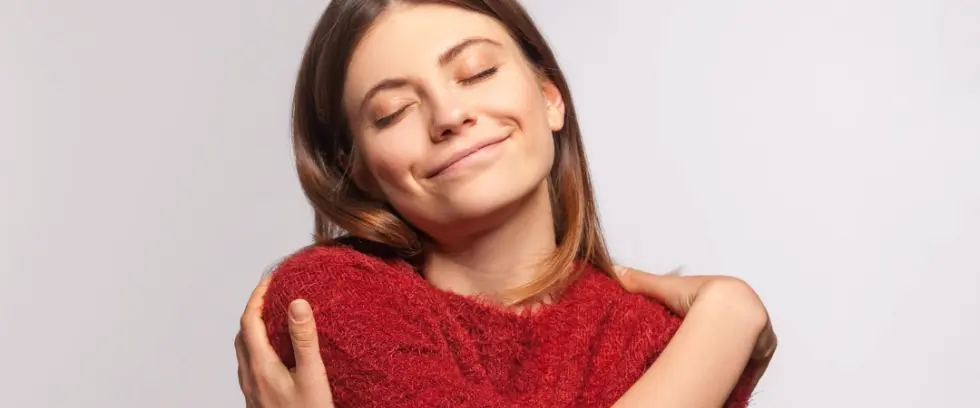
[{"x": 323, "y": 143}]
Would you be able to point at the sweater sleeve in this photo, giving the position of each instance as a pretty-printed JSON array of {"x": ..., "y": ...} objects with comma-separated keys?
[{"x": 379, "y": 338}]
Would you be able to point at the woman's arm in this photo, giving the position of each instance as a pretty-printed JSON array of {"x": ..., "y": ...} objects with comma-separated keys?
[
  {"x": 263, "y": 378},
  {"x": 382, "y": 343},
  {"x": 696, "y": 368},
  {"x": 725, "y": 326}
]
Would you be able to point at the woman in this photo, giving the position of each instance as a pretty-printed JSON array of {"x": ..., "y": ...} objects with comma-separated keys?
[{"x": 440, "y": 138}]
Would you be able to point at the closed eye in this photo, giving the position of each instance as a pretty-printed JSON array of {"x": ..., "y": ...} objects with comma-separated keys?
[
  {"x": 479, "y": 77},
  {"x": 388, "y": 120}
]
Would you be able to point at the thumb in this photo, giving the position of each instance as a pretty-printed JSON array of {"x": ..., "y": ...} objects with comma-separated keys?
[
  {"x": 627, "y": 277},
  {"x": 672, "y": 290},
  {"x": 306, "y": 347}
]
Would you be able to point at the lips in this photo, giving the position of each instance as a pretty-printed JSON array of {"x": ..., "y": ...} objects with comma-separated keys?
[{"x": 462, "y": 154}]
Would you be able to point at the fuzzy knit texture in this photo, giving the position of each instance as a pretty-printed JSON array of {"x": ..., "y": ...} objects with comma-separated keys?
[{"x": 390, "y": 339}]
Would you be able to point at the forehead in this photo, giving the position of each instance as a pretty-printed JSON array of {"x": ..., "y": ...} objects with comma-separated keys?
[{"x": 406, "y": 40}]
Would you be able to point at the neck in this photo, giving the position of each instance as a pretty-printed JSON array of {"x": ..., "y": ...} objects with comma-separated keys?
[{"x": 500, "y": 258}]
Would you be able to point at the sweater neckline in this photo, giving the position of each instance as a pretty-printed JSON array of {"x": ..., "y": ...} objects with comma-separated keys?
[{"x": 486, "y": 307}]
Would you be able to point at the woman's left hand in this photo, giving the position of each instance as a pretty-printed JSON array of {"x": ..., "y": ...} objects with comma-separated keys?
[
  {"x": 265, "y": 381},
  {"x": 678, "y": 293}
]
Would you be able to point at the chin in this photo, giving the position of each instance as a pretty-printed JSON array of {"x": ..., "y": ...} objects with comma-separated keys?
[
  {"x": 471, "y": 202},
  {"x": 486, "y": 194},
  {"x": 484, "y": 200}
]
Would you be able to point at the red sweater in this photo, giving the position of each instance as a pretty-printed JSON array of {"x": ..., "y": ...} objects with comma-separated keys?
[{"x": 389, "y": 339}]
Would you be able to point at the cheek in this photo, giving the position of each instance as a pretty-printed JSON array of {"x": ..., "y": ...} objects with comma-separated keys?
[
  {"x": 531, "y": 114},
  {"x": 533, "y": 156},
  {"x": 516, "y": 95},
  {"x": 390, "y": 159}
]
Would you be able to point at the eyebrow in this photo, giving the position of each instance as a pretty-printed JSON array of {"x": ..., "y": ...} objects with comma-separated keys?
[
  {"x": 444, "y": 59},
  {"x": 454, "y": 51}
]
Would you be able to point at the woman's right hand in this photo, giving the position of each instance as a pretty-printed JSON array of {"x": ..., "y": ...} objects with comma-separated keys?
[
  {"x": 264, "y": 379},
  {"x": 678, "y": 293}
]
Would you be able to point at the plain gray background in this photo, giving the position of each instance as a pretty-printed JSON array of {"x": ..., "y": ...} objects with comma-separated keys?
[{"x": 826, "y": 151}]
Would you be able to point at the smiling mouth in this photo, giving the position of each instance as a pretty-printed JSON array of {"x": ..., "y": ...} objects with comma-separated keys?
[{"x": 451, "y": 163}]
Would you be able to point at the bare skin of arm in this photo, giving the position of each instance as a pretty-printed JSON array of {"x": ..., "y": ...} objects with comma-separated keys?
[{"x": 725, "y": 326}]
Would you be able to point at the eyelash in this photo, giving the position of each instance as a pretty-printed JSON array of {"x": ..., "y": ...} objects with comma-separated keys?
[
  {"x": 479, "y": 77},
  {"x": 387, "y": 120}
]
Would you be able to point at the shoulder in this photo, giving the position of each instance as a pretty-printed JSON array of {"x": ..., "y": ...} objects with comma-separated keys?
[
  {"x": 324, "y": 274},
  {"x": 350, "y": 290},
  {"x": 340, "y": 256},
  {"x": 644, "y": 316},
  {"x": 600, "y": 286}
]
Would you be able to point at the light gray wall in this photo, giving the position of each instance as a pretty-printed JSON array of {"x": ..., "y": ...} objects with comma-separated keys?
[{"x": 826, "y": 151}]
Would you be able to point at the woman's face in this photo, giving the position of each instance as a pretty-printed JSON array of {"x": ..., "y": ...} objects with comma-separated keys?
[{"x": 451, "y": 123}]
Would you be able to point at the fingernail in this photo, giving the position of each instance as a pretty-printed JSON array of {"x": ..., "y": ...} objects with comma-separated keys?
[
  {"x": 620, "y": 270},
  {"x": 299, "y": 310}
]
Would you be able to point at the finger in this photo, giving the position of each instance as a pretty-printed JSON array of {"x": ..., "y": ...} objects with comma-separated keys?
[
  {"x": 766, "y": 345},
  {"x": 675, "y": 292},
  {"x": 758, "y": 369},
  {"x": 622, "y": 270},
  {"x": 255, "y": 299},
  {"x": 241, "y": 352},
  {"x": 256, "y": 339},
  {"x": 310, "y": 372}
]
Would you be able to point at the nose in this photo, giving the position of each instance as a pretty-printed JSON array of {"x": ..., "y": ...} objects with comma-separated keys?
[{"x": 450, "y": 116}]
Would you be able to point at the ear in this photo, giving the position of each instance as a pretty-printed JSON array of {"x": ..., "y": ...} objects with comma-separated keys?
[{"x": 554, "y": 103}]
